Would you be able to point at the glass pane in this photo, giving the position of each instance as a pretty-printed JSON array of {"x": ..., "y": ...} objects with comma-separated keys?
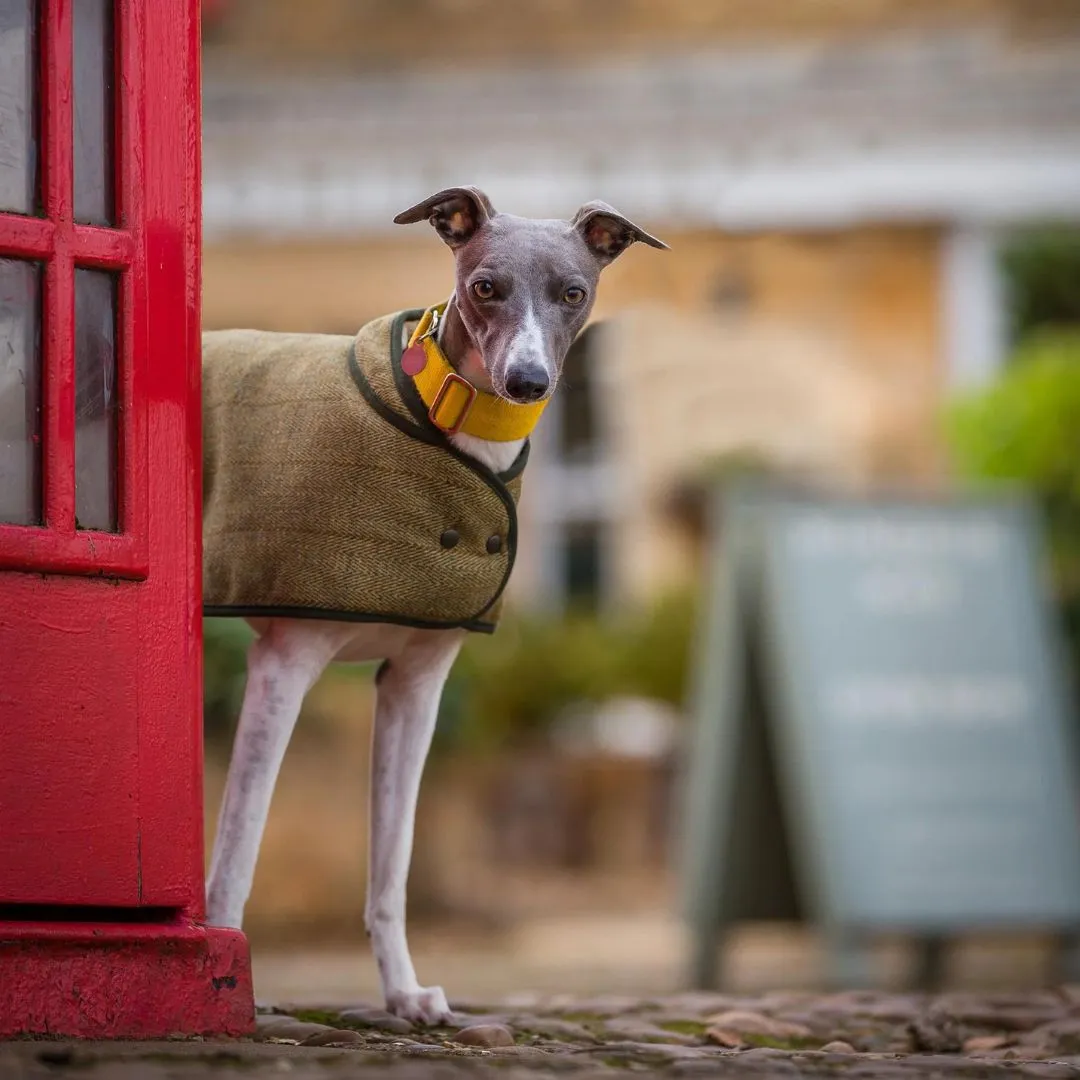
[
  {"x": 20, "y": 393},
  {"x": 93, "y": 30},
  {"x": 95, "y": 401},
  {"x": 18, "y": 153}
]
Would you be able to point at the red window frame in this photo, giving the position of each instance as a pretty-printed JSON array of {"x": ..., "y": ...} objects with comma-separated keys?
[{"x": 59, "y": 244}]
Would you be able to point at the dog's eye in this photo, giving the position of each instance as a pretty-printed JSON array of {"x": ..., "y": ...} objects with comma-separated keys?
[
  {"x": 574, "y": 295},
  {"x": 483, "y": 289}
]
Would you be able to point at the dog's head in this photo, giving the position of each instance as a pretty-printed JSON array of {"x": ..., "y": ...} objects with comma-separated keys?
[{"x": 524, "y": 286}]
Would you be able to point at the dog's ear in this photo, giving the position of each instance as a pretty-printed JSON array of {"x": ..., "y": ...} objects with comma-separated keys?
[
  {"x": 455, "y": 213},
  {"x": 607, "y": 233}
]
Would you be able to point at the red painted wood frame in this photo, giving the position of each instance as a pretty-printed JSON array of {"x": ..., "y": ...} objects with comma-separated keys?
[
  {"x": 101, "y": 842},
  {"x": 58, "y": 242},
  {"x": 100, "y": 711}
]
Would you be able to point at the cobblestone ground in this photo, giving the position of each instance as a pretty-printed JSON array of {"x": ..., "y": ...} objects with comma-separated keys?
[{"x": 858, "y": 1035}]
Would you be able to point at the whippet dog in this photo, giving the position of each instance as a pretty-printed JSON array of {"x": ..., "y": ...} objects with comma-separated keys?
[{"x": 523, "y": 291}]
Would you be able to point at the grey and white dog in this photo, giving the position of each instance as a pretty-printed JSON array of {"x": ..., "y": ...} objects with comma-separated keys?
[{"x": 523, "y": 291}]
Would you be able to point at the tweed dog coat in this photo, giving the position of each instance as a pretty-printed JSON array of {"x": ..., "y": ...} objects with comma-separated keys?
[{"x": 328, "y": 493}]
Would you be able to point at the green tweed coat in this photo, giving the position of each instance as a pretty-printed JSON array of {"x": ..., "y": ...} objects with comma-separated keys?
[{"x": 327, "y": 492}]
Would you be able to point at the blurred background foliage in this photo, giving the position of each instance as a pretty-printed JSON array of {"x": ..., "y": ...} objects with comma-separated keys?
[
  {"x": 507, "y": 689},
  {"x": 1042, "y": 276},
  {"x": 225, "y": 645},
  {"x": 1023, "y": 429}
]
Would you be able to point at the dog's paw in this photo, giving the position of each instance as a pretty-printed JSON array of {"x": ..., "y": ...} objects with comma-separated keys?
[{"x": 426, "y": 1005}]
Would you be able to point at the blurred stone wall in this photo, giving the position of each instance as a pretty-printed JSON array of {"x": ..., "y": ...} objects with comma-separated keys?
[{"x": 395, "y": 34}]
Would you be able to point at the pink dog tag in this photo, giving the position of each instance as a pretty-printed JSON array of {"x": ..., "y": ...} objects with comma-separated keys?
[{"x": 413, "y": 360}]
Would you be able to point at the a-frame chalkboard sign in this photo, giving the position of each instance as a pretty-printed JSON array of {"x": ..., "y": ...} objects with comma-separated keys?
[{"x": 883, "y": 735}]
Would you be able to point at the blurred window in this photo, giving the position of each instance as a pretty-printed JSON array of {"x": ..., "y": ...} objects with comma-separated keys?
[
  {"x": 582, "y": 548},
  {"x": 578, "y": 434},
  {"x": 580, "y": 506}
]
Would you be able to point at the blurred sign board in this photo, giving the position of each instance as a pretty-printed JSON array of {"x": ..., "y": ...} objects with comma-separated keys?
[{"x": 884, "y": 736}]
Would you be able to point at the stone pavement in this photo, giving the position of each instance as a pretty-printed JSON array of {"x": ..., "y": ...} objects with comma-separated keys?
[
  {"x": 859, "y": 1035},
  {"x": 632, "y": 953}
]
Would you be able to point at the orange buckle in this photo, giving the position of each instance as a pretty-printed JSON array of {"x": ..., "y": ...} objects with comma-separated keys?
[{"x": 452, "y": 377}]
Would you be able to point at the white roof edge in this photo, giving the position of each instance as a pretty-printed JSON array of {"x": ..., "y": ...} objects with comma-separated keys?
[{"x": 995, "y": 185}]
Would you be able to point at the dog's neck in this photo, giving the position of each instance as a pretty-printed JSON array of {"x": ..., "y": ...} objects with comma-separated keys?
[
  {"x": 459, "y": 348},
  {"x": 464, "y": 357}
]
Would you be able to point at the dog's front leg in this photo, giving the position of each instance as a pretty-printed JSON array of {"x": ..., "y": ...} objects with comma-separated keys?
[
  {"x": 283, "y": 664},
  {"x": 410, "y": 686}
]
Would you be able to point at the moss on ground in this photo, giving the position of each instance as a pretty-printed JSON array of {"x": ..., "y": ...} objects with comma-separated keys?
[
  {"x": 773, "y": 1043},
  {"x": 319, "y": 1016},
  {"x": 685, "y": 1027},
  {"x": 590, "y": 1020}
]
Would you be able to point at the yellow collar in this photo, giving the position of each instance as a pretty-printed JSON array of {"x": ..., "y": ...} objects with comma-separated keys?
[{"x": 454, "y": 404}]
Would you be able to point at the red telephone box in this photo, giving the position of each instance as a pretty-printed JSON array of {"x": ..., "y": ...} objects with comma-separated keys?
[{"x": 101, "y": 845}]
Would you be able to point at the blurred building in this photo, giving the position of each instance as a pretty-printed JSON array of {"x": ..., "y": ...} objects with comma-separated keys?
[{"x": 835, "y": 180}]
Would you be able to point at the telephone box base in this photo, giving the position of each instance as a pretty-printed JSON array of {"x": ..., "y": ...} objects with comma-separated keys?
[{"x": 112, "y": 980}]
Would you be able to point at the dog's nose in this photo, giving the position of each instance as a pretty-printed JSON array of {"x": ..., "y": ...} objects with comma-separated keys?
[{"x": 527, "y": 384}]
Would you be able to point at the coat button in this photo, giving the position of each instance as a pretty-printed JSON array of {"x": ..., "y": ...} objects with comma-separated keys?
[
  {"x": 449, "y": 538},
  {"x": 494, "y": 544}
]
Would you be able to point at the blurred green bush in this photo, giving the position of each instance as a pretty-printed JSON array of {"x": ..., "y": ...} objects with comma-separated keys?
[
  {"x": 508, "y": 688},
  {"x": 1041, "y": 267},
  {"x": 1024, "y": 429},
  {"x": 225, "y": 645}
]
